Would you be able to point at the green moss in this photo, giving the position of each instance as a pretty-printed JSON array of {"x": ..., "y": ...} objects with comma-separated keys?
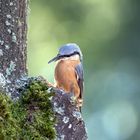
[
  {"x": 8, "y": 125},
  {"x": 31, "y": 117}
]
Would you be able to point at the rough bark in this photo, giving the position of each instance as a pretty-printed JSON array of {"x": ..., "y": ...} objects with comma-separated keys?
[
  {"x": 70, "y": 124},
  {"x": 13, "y": 38}
]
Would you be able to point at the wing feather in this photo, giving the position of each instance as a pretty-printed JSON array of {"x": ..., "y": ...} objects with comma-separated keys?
[{"x": 80, "y": 78}]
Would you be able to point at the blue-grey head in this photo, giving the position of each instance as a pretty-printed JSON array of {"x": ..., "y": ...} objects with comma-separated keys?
[{"x": 68, "y": 50}]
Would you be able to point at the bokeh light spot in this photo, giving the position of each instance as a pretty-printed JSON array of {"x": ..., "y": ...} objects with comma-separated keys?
[{"x": 120, "y": 120}]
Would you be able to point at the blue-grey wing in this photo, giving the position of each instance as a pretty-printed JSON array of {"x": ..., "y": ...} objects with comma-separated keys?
[{"x": 80, "y": 78}]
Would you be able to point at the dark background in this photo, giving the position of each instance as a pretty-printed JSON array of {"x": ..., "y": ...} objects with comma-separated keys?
[{"x": 108, "y": 33}]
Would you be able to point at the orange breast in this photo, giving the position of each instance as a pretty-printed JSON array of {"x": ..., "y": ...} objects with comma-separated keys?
[{"x": 65, "y": 76}]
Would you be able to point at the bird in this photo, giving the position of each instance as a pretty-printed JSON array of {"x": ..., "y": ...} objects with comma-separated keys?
[{"x": 69, "y": 71}]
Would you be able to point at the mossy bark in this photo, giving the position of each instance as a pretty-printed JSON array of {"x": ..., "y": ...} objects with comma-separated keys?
[
  {"x": 31, "y": 116},
  {"x": 41, "y": 113}
]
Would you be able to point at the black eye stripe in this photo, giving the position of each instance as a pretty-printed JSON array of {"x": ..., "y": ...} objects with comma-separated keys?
[{"x": 61, "y": 56}]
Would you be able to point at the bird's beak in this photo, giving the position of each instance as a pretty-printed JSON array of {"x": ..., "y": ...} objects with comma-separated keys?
[{"x": 54, "y": 59}]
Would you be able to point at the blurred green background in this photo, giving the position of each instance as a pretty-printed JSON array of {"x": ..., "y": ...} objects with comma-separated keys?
[{"x": 108, "y": 32}]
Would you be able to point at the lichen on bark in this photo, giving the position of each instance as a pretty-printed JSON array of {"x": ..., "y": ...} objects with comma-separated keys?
[
  {"x": 70, "y": 124},
  {"x": 13, "y": 41}
]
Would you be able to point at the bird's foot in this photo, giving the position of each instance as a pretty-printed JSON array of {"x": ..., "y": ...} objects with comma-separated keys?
[{"x": 79, "y": 102}]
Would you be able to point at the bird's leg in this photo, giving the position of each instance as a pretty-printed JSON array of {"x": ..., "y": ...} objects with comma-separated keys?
[{"x": 79, "y": 102}]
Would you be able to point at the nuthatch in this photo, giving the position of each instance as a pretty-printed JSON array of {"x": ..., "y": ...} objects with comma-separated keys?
[{"x": 69, "y": 71}]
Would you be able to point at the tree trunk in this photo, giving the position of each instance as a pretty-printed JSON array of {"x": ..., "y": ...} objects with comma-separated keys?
[
  {"x": 13, "y": 45},
  {"x": 13, "y": 42}
]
